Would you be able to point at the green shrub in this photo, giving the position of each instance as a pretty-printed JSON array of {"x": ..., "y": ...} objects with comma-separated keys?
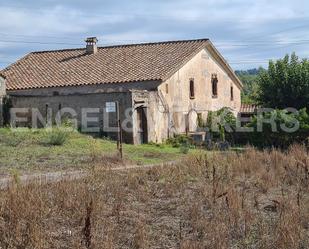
[
  {"x": 280, "y": 138},
  {"x": 179, "y": 140},
  {"x": 221, "y": 124},
  {"x": 56, "y": 137},
  {"x": 184, "y": 148}
]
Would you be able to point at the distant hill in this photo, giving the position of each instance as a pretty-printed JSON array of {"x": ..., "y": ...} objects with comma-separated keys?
[
  {"x": 253, "y": 71},
  {"x": 249, "y": 80}
]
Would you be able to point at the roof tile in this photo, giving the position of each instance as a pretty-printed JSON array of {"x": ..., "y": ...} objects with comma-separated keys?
[{"x": 113, "y": 64}]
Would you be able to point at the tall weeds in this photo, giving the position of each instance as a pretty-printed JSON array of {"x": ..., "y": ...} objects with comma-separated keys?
[{"x": 256, "y": 199}]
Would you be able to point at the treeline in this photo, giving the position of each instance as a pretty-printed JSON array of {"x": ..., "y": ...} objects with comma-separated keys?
[{"x": 284, "y": 89}]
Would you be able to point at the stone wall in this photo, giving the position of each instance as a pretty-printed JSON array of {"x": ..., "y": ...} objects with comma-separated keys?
[
  {"x": 77, "y": 102},
  {"x": 91, "y": 96}
]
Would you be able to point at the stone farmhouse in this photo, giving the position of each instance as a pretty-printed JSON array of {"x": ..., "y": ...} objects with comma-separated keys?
[{"x": 162, "y": 88}]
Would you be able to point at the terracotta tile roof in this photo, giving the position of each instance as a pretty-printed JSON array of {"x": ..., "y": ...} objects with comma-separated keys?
[
  {"x": 248, "y": 108},
  {"x": 114, "y": 64}
]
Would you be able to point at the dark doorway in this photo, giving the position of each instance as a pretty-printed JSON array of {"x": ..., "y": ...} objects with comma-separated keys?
[
  {"x": 187, "y": 123},
  {"x": 142, "y": 124}
]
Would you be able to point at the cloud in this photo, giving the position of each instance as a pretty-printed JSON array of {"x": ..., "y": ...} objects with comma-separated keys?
[{"x": 64, "y": 24}]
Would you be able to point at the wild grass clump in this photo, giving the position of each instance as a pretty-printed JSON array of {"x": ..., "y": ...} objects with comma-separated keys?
[
  {"x": 254, "y": 199},
  {"x": 179, "y": 140},
  {"x": 14, "y": 138},
  {"x": 56, "y": 137}
]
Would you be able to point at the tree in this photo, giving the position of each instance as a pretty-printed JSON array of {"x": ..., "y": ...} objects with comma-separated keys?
[
  {"x": 285, "y": 84},
  {"x": 249, "y": 80}
]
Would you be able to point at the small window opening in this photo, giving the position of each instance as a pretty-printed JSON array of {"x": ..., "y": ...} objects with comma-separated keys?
[
  {"x": 232, "y": 93},
  {"x": 166, "y": 88},
  {"x": 192, "y": 95},
  {"x": 214, "y": 83}
]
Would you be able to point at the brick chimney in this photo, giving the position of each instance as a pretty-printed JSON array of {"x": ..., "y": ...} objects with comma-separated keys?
[{"x": 91, "y": 45}]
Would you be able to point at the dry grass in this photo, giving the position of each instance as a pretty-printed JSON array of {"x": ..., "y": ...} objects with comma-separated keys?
[{"x": 249, "y": 200}]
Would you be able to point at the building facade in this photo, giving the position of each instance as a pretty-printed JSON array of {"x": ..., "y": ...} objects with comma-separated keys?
[{"x": 162, "y": 88}]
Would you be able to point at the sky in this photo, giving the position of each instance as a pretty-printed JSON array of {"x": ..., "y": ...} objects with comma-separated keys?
[{"x": 247, "y": 33}]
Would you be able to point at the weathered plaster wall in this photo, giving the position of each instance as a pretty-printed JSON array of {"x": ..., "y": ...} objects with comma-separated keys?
[
  {"x": 77, "y": 102},
  {"x": 93, "y": 96},
  {"x": 200, "y": 68},
  {"x": 157, "y": 117}
]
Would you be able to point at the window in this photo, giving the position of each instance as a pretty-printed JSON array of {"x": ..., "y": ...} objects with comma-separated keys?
[
  {"x": 214, "y": 83},
  {"x": 232, "y": 93},
  {"x": 192, "y": 96},
  {"x": 166, "y": 88}
]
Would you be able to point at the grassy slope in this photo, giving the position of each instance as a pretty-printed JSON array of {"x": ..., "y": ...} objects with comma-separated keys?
[{"x": 25, "y": 151}]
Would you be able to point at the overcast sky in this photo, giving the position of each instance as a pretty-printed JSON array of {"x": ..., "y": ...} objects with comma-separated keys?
[{"x": 247, "y": 33}]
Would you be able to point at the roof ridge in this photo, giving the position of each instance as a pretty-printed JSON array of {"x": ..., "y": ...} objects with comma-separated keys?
[{"x": 125, "y": 45}]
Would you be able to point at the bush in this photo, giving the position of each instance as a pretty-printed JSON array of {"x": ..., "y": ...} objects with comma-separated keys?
[
  {"x": 56, "y": 137},
  {"x": 221, "y": 124},
  {"x": 179, "y": 140},
  {"x": 280, "y": 138},
  {"x": 184, "y": 148}
]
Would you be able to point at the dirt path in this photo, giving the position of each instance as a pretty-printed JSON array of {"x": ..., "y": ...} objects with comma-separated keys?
[{"x": 70, "y": 175}]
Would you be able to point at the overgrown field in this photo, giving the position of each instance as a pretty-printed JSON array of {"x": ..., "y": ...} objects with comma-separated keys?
[
  {"x": 28, "y": 151},
  {"x": 250, "y": 200}
]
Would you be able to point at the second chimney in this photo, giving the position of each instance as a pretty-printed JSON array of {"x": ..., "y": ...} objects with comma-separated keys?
[{"x": 91, "y": 47}]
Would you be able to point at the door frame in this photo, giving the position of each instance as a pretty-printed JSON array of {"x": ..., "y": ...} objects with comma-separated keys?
[{"x": 142, "y": 124}]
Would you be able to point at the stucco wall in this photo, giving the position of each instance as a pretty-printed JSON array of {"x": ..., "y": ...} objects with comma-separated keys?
[
  {"x": 2, "y": 87},
  {"x": 77, "y": 102},
  {"x": 157, "y": 117},
  {"x": 2, "y": 94},
  {"x": 200, "y": 68}
]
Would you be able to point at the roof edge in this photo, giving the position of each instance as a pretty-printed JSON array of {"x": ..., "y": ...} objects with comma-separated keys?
[
  {"x": 216, "y": 52},
  {"x": 14, "y": 63},
  {"x": 82, "y": 85},
  {"x": 125, "y": 45},
  {"x": 225, "y": 63},
  {"x": 184, "y": 62},
  {"x": 2, "y": 76}
]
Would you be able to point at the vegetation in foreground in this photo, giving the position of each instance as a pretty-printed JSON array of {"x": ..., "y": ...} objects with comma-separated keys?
[
  {"x": 40, "y": 150},
  {"x": 256, "y": 199}
]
